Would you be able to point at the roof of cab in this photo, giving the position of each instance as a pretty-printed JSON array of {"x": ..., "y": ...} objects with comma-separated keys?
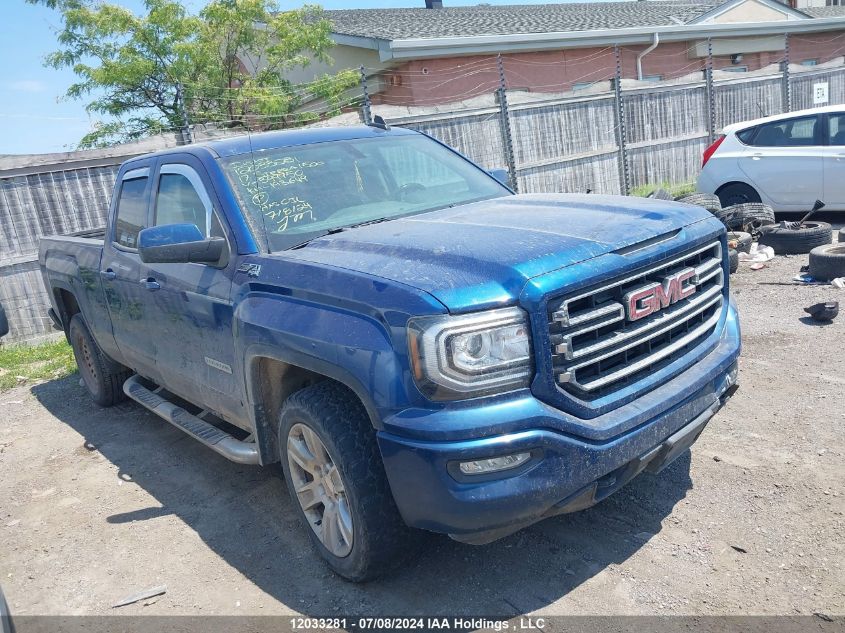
[{"x": 243, "y": 144}]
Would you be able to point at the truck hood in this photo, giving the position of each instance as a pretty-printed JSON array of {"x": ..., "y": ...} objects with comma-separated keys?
[{"x": 483, "y": 253}]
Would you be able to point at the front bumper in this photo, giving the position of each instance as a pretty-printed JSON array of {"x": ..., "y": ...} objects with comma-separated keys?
[{"x": 567, "y": 471}]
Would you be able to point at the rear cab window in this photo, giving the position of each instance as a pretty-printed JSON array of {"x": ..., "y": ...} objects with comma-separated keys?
[{"x": 131, "y": 214}]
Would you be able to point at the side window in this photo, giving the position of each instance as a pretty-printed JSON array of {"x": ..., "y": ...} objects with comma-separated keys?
[
  {"x": 837, "y": 129},
  {"x": 181, "y": 199},
  {"x": 789, "y": 133},
  {"x": 131, "y": 212}
]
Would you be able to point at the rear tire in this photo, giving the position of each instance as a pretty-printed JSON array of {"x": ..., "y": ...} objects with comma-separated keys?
[
  {"x": 737, "y": 193},
  {"x": 102, "y": 377},
  {"x": 796, "y": 241},
  {"x": 332, "y": 465}
]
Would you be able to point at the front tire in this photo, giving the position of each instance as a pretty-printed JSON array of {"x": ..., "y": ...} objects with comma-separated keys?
[
  {"x": 102, "y": 377},
  {"x": 335, "y": 476}
]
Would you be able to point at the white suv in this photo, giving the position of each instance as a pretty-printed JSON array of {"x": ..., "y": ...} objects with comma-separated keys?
[{"x": 787, "y": 161}]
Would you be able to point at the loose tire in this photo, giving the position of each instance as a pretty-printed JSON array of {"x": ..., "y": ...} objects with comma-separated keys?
[
  {"x": 827, "y": 262},
  {"x": 841, "y": 236},
  {"x": 335, "y": 476},
  {"x": 709, "y": 201},
  {"x": 660, "y": 194},
  {"x": 102, "y": 377},
  {"x": 746, "y": 217},
  {"x": 737, "y": 193},
  {"x": 733, "y": 258},
  {"x": 796, "y": 241},
  {"x": 743, "y": 240}
]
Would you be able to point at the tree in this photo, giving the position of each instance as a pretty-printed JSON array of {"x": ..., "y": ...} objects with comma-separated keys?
[{"x": 226, "y": 64}]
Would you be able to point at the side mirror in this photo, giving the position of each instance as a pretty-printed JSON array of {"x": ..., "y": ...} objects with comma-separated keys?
[
  {"x": 178, "y": 244},
  {"x": 501, "y": 175},
  {"x": 4, "y": 323}
]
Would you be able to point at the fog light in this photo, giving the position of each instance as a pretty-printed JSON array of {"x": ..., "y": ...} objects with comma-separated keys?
[{"x": 494, "y": 464}]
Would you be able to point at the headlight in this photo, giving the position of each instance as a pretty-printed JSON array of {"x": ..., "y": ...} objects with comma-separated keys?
[{"x": 470, "y": 355}]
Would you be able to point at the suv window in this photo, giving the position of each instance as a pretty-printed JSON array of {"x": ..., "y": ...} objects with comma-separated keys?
[
  {"x": 182, "y": 200},
  {"x": 131, "y": 212},
  {"x": 837, "y": 129},
  {"x": 796, "y": 132}
]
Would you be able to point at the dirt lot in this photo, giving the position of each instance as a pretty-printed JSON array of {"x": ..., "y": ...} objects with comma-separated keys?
[{"x": 98, "y": 504}]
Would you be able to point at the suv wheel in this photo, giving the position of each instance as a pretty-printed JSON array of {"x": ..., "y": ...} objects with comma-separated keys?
[
  {"x": 335, "y": 476},
  {"x": 102, "y": 377}
]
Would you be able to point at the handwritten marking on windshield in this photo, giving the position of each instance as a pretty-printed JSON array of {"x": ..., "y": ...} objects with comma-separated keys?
[{"x": 274, "y": 174}]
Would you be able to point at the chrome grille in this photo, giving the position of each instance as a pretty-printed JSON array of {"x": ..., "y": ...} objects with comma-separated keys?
[{"x": 597, "y": 348}]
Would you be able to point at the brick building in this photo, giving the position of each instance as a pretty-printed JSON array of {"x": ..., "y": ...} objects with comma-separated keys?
[{"x": 438, "y": 54}]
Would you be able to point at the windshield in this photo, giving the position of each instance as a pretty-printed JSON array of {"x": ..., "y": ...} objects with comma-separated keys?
[{"x": 306, "y": 191}]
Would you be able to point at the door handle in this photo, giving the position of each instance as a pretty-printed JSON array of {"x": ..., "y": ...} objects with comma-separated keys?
[
  {"x": 756, "y": 156},
  {"x": 108, "y": 274},
  {"x": 150, "y": 283}
]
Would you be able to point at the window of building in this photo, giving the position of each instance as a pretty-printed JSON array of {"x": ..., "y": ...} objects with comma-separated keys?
[
  {"x": 810, "y": 62},
  {"x": 652, "y": 77},
  {"x": 131, "y": 211},
  {"x": 735, "y": 69}
]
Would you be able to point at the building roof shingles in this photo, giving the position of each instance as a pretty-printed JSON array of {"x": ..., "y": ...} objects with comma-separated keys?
[
  {"x": 394, "y": 24},
  {"x": 483, "y": 19}
]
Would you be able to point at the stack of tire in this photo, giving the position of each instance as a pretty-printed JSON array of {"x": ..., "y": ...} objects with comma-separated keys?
[
  {"x": 827, "y": 261},
  {"x": 740, "y": 220}
]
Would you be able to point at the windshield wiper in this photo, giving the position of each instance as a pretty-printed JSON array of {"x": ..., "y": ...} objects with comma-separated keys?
[{"x": 338, "y": 229}]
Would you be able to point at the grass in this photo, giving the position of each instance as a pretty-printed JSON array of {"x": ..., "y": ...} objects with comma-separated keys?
[
  {"x": 46, "y": 361},
  {"x": 676, "y": 190}
]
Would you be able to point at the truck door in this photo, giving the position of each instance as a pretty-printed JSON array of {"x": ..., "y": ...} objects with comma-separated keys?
[
  {"x": 122, "y": 276},
  {"x": 191, "y": 303}
]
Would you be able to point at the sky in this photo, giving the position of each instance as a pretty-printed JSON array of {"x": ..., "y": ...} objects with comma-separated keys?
[{"x": 35, "y": 118}]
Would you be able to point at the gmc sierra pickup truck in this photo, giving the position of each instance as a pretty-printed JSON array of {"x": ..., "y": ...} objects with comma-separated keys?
[{"x": 416, "y": 344}]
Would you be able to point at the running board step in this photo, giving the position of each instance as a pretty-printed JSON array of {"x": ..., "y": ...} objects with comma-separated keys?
[{"x": 216, "y": 439}]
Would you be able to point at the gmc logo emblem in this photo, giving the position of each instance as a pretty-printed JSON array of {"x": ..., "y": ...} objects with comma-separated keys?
[{"x": 656, "y": 296}]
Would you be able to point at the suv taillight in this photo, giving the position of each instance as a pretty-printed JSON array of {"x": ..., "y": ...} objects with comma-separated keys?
[{"x": 712, "y": 149}]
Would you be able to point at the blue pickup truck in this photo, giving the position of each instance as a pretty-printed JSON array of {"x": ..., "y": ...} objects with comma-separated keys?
[{"x": 416, "y": 344}]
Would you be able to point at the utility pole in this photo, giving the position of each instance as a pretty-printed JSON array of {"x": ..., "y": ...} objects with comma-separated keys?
[
  {"x": 367, "y": 109},
  {"x": 711, "y": 95},
  {"x": 187, "y": 130},
  {"x": 505, "y": 125},
  {"x": 624, "y": 174},
  {"x": 787, "y": 88}
]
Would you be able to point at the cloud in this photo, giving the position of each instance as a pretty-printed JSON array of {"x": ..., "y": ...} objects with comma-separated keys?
[{"x": 26, "y": 85}]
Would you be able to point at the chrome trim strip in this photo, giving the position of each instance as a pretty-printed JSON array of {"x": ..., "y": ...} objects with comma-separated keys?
[
  {"x": 598, "y": 383},
  {"x": 672, "y": 314},
  {"x": 620, "y": 282}
]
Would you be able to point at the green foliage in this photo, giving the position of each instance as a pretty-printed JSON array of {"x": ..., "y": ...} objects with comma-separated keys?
[
  {"x": 677, "y": 190},
  {"x": 35, "y": 362},
  {"x": 230, "y": 61}
]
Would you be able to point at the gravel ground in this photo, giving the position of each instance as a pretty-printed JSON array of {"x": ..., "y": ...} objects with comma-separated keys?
[{"x": 99, "y": 504}]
